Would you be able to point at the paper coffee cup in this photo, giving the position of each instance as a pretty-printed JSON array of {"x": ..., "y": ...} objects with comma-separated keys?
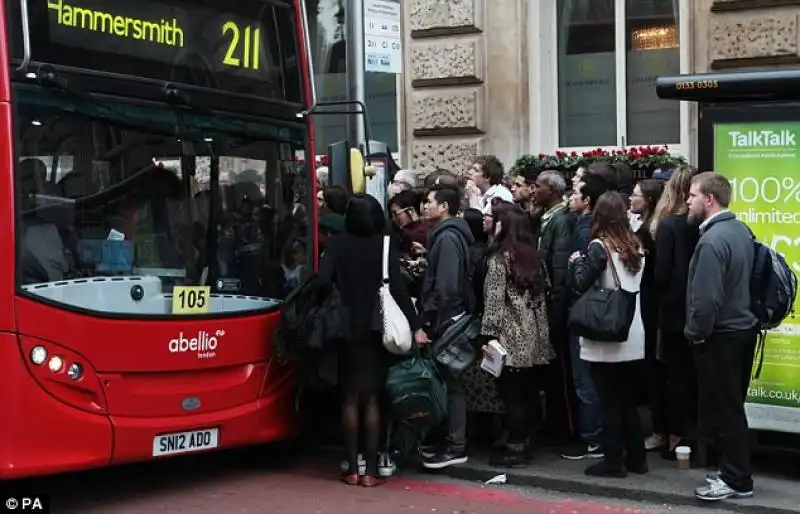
[{"x": 683, "y": 453}]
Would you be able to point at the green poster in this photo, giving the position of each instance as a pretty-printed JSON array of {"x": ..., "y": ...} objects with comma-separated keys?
[{"x": 762, "y": 162}]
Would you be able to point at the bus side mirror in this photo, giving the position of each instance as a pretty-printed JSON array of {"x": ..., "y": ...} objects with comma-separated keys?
[{"x": 339, "y": 164}]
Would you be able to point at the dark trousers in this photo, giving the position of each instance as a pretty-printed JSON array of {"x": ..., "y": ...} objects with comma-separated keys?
[
  {"x": 515, "y": 390},
  {"x": 654, "y": 378},
  {"x": 656, "y": 385},
  {"x": 623, "y": 440},
  {"x": 589, "y": 416},
  {"x": 456, "y": 414},
  {"x": 681, "y": 383},
  {"x": 724, "y": 364},
  {"x": 559, "y": 390}
]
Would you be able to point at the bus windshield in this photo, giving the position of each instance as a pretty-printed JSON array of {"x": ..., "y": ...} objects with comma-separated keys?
[{"x": 119, "y": 203}]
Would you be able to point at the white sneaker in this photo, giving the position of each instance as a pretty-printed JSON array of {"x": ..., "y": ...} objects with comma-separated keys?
[
  {"x": 362, "y": 465},
  {"x": 654, "y": 442},
  {"x": 386, "y": 465},
  {"x": 719, "y": 490}
]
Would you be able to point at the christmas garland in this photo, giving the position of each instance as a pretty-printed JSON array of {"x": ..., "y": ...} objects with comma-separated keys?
[{"x": 643, "y": 160}]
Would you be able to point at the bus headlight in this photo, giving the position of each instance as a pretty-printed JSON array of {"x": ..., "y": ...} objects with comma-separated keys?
[
  {"x": 75, "y": 371},
  {"x": 38, "y": 355},
  {"x": 56, "y": 364}
]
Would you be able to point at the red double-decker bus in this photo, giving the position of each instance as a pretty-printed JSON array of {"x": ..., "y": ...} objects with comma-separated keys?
[{"x": 153, "y": 216}]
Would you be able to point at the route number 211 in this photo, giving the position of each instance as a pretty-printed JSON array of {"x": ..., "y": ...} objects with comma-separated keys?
[{"x": 250, "y": 47}]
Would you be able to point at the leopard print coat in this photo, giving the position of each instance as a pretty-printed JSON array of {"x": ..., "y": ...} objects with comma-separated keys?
[{"x": 517, "y": 319}]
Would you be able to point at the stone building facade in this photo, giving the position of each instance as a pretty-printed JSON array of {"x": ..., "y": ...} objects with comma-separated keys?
[
  {"x": 466, "y": 83},
  {"x": 479, "y": 73}
]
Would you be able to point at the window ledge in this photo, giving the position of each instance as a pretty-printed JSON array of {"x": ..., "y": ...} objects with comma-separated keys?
[{"x": 721, "y": 6}]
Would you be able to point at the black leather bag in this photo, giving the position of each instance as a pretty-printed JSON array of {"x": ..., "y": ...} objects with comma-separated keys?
[
  {"x": 604, "y": 315},
  {"x": 455, "y": 349}
]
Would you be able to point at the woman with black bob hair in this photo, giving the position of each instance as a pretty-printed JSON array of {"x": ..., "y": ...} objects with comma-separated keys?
[
  {"x": 515, "y": 314},
  {"x": 353, "y": 262},
  {"x": 477, "y": 252}
]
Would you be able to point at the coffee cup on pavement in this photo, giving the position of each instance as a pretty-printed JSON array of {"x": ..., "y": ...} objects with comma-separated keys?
[{"x": 683, "y": 453}]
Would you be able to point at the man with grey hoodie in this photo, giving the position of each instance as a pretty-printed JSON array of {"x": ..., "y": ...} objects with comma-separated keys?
[
  {"x": 723, "y": 329},
  {"x": 445, "y": 293}
]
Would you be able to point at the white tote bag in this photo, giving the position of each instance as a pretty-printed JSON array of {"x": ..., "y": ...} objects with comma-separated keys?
[{"x": 397, "y": 336}]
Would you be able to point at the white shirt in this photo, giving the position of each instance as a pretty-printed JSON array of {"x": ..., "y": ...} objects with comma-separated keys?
[
  {"x": 496, "y": 191},
  {"x": 635, "y": 221},
  {"x": 705, "y": 222},
  {"x": 633, "y": 348}
]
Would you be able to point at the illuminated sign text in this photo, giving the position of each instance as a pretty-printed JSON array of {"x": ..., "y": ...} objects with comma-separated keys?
[{"x": 163, "y": 32}]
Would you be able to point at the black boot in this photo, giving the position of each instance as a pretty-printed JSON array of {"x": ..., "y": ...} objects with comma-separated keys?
[{"x": 513, "y": 455}]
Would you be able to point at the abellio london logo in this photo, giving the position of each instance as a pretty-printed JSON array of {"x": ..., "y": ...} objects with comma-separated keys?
[{"x": 203, "y": 343}]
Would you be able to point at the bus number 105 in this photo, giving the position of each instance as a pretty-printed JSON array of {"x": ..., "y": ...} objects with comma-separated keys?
[
  {"x": 250, "y": 48},
  {"x": 193, "y": 298}
]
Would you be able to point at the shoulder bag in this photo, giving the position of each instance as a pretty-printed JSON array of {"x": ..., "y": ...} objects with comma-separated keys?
[
  {"x": 397, "y": 337},
  {"x": 455, "y": 349},
  {"x": 601, "y": 314}
]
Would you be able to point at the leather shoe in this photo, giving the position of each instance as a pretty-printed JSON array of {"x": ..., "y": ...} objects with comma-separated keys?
[
  {"x": 350, "y": 478},
  {"x": 370, "y": 481}
]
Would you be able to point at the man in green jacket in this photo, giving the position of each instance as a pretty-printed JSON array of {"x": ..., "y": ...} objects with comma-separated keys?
[{"x": 556, "y": 230}]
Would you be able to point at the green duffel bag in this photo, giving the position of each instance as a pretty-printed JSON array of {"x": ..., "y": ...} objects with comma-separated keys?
[{"x": 417, "y": 392}]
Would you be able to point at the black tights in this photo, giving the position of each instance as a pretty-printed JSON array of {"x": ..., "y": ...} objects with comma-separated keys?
[
  {"x": 370, "y": 402},
  {"x": 515, "y": 387}
]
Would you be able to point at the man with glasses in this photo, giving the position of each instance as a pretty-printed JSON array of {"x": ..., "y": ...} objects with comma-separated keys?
[{"x": 403, "y": 209}]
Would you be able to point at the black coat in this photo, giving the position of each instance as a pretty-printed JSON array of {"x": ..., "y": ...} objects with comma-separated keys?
[
  {"x": 478, "y": 258},
  {"x": 354, "y": 264},
  {"x": 650, "y": 296},
  {"x": 554, "y": 248},
  {"x": 313, "y": 323},
  {"x": 675, "y": 243}
]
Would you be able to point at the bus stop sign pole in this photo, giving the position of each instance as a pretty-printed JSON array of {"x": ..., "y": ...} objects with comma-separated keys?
[{"x": 354, "y": 30}]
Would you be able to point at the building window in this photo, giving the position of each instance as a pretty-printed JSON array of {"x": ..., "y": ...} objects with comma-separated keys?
[
  {"x": 329, "y": 56},
  {"x": 609, "y": 54}
]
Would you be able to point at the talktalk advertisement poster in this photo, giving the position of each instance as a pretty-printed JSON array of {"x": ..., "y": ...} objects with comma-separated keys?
[{"x": 762, "y": 162}]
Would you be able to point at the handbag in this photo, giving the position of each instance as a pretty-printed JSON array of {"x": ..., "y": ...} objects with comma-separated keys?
[
  {"x": 397, "y": 337},
  {"x": 455, "y": 349},
  {"x": 604, "y": 315}
]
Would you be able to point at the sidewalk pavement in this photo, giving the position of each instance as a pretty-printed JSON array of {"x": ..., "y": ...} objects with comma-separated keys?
[
  {"x": 777, "y": 481},
  {"x": 776, "y": 492}
]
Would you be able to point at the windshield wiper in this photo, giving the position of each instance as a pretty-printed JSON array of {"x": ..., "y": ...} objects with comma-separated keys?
[
  {"x": 50, "y": 81},
  {"x": 179, "y": 98}
]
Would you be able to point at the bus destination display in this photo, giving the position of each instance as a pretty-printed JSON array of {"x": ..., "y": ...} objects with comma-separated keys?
[{"x": 174, "y": 34}]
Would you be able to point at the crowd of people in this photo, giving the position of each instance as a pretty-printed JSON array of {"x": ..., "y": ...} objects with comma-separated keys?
[{"x": 528, "y": 248}]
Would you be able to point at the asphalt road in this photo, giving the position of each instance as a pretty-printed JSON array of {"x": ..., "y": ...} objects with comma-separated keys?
[{"x": 265, "y": 481}]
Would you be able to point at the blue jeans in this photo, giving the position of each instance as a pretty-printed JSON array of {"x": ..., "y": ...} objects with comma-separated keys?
[{"x": 589, "y": 408}]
